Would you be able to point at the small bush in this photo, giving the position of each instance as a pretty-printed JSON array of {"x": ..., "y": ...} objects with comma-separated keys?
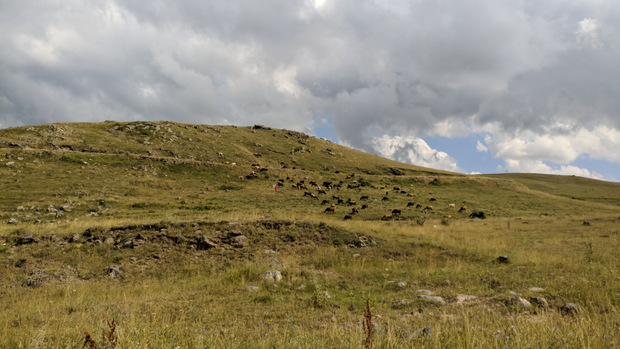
[
  {"x": 229, "y": 187},
  {"x": 435, "y": 182},
  {"x": 477, "y": 214}
]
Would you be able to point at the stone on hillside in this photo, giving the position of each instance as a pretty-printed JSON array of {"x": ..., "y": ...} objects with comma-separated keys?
[
  {"x": 204, "y": 243},
  {"x": 433, "y": 299},
  {"x": 25, "y": 239},
  {"x": 114, "y": 271},
  {"x": 276, "y": 263},
  {"x": 399, "y": 303},
  {"x": 570, "y": 309},
  {"x": 109, "y": 241},
  {"x": 10, "y": 163},
  {"x": 535, "y": 289},
  {"x": 252, "y": 288},
  {"x": 462, "y": 298},
  {"x": 401, "y": 284},
  {"x": 74, "y": 238},
  {"x": 240, "y": 241},
  {"x": 539, "y": 301},
  {"x": 272, "y": 275},
  {"x": 520, "y": 302},
  {"x": 13, "y": 221}
]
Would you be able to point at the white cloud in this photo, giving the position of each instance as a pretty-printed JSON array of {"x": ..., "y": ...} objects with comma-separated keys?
[
  {"x": 537, "y": 166},
  {"x": 415, "y": 151},
  {"x": 481, "y": 147},
  {"x": 587, "y": 33}
]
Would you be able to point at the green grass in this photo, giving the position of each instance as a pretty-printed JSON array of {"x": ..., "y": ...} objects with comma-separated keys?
[{"x": 149, "y": 191}]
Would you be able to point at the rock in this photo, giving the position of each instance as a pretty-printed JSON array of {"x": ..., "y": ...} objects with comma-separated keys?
[
  {"x": 433, "y": 299},
  {"x": 399, "y": 303},
  {"x": 252, "y": 288},
  {"x": 462, "y": 298},
  {"x": 25, "y": 239},
  {"x": 401, "y": 284},
  {"x": 535, "y": 289},
  {"x": 520, "y": 302},
  {"x": 108, "y": 241},
  {"x": 240, "y": 241},
  {"x": 74, "y": 238},
  {"x": 114, "y": 271},
  {"x": 570, "y": 309},
  {"x": 424, "y": 292},
  {"x": 276, "y": 263},
  {"x": 36, "y": 279},
  {"x": 13, "y": 221},
  {"x": 204, "y": 243},
  {"x": 272, "y": 275},
  {"x": 539, "y": 301},
  {"x": 10, "y": 163},
  {"x": 503, "y": 259}
]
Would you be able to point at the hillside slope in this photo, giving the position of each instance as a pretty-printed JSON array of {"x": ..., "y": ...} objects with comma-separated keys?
[{"x": 141, "y": 169}]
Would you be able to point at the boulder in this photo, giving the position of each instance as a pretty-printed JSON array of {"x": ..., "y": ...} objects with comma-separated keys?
[
  {"x": 115, "y": 272},
  {"x": 520, "y": 302},
  {"x": 204, "y": 243},
  {"x": 25, "y": 239},
  {"x": 570, "y": 309},
  {"x": 432, "y": 299},
  {"x": 272, "y": 275},
  {"x": 535, "y": 289},
  {"x": 399, "y": 303},
  {"x": 462, "y": 298},
  {"x": 539, "y": 301},
  {"x": 240, "y": 241},
  {"x": 252, "y": 288},
  {"x": 13, "y": 221}
]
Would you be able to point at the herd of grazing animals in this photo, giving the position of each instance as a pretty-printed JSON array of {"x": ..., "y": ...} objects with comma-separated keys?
[{"x": 332, "y": 190}]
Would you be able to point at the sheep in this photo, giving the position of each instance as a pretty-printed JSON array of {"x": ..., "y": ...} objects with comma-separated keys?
[
  {"x": 396, "y": 212},
  {"x": 463, "y": 209},
  {"x": 386, "y": 217},
  {"x": 347, "y": 217},
  {"x": 330, "y": 209}
]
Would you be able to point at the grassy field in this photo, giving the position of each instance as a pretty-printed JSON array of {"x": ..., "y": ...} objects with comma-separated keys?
[{"x": 168, "y": 229}]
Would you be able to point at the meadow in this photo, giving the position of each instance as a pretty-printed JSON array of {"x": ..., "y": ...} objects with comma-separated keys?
[{"x": 165, "y": 235}]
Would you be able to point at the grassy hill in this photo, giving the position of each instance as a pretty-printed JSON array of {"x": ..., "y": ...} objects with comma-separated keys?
[{"x": 168, "y": 228}]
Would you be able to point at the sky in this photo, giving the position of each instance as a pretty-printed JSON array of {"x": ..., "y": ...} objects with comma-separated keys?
[{"x": 467, "y": 86}]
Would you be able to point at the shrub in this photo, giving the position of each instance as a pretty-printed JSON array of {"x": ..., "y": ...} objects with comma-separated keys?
[{"x": 477, "y": 214}]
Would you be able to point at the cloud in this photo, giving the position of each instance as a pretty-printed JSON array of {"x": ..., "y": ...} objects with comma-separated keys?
[
  {"x": 536, "y": 166},
  {"x": 414, "y": 151},
  {"x": 587, "y": 32},
  {"x": 511, "y": 70}
]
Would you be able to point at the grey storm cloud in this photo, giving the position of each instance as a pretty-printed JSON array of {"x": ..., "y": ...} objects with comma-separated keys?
[{"x": 374, "y": 67}]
